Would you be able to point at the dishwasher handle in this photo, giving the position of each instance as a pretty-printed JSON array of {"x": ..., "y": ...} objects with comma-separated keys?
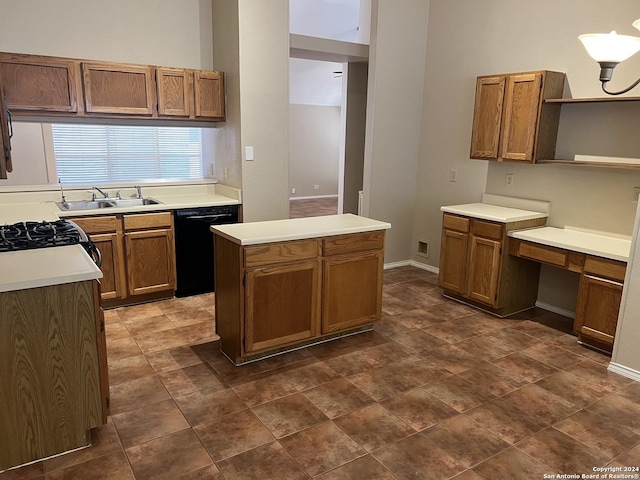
[{"x": 208, "y": 217}]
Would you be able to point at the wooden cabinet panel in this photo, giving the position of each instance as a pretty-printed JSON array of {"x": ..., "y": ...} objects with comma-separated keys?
[
  {"x": 113, "y": 280},
  {"x": 208, "y": 88},
  {"x": 101, "y": 346},
  {"x": 148, "y": 220},
  {"x": 283, "y": 252},
  {"x": 605, "y": 268},
  {"x": 174, "y": 92},
  {"x": 487, "y": 117},
  {"x": 50, "y": 372},
  {"x": 484, "y": 269},
  {"x": 520, "y": 116},
  {"x": 454, "y": 222},
  {"x": 118, "y": 89},
  {"x": 150, "y": 261},
  {"x": 542, "y": 253},
  {"x": 39, "y": 84},
  {"x": 484, "y": 229},
  {"x": 453, "y": 261},
  {"x": 282, "y": 305},
  {"x": 357, "y": 242},
  {"x": 6, "y": 165},
  {"x": 352, "y": 291}
]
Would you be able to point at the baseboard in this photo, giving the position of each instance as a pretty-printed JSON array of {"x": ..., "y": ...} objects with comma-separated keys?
[
  {"x": 554, "y": 309},
  {"x": 411, "y": 263},
  {"x": 313, "y": 197},
  {"x": 624, "y": 371}
]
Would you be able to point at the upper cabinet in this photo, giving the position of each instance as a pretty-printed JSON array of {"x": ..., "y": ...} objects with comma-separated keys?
[
  {"x": 63, "y": 87},
  {"x": 511, "y": 120}
]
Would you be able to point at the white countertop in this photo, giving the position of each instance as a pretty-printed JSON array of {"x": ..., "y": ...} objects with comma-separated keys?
[
  {"x": 614, "y": 248},
  {"x": 45, "y": 266},
  {"x": 256, "y": 233},
  {"x": 495, "y": 213}
]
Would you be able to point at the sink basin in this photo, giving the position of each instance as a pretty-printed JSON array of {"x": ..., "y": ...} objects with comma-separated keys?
[
  {"x": 85, "y": 204},
  {"x": 106, "y": 203}
]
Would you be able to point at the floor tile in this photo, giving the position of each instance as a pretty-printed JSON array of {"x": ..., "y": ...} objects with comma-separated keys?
[
  {"x": 387, "y": 352},
  {"x": 417, "y": 371},
  {"x": 444, "y": 312},
  {"x": 618, "y": 410},
  {"x": 598, "y": 432},
  {"x": 552, "y": 355},
  {"x": 116, "y": 330},
  {"x": 268, "y": 462},
  {"x": 154, "y": 342},
  {"x": 149, "y": 422},
  {"x": 629, "y": 458},
  {"x": 458, "y": 393},
  {"x": 418, "y": 340},
  {"x": 321, "y": 448},
  {"x": 381, "y": 383},
  {"x": 453, "y": 359},
  {"x": 311, "y": 376},
  {"x": 525, "y": 367},
  {"x": 578, "y": 391},
  {"x": 481, "y": 323},
  {"x": 179, "y": 304},
  {"x": 210, "y": 472},
  {"x": 289, "y": 415},
  {"x": 199, "y": 332},
  {"x": 352, "y": 363},
  {"x": 598, "y": 376},
  {"x": 168, "y": 456},
  {"x": 511, "y": 464},
  {"x": 513, "y": 340},
  {"x": 129, "y": 368},
  {"x": 419, "y": 409},
  {"x": 206, "y": 405},
  {"x": 122, "y": 348},
  {"x": 562, "y": 453},
  {"x": 338, "y": 398},
  {"x": 483, "y": 347},
  {"x": 502, "y": 418},
  {"x": 451, "y": 332},
  {"x": 139, "y": 311},
  {"x": 113, "y": 466},
  {"x": 417, "y": 457},
  {"x": 265, "y": 390},
  {"x": 540, "y": 404},
  {"x": 373, "y": 427},
  {"x": 232, "y": 434},
  {"x": 34, "y": 471},
  {"x": 466, "y": 441},
  {"x": 190, "y": 379},
  {"x": 361, "y": 468},
  {"x": 173, "y": 358},
  {"x": 467, "y": 475},
  {"x": 145, "y": 325},
  {"x": 190, "y": 316},
  {"x": 536, "y": 330},
  {"x": 494, "y": 379},
  {"x": 137, "y": 393}
]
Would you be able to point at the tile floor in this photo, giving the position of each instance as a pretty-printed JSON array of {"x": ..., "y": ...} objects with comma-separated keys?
[
  {"x": 312, "y": 207},
  {"x": 436, "y": 391}
]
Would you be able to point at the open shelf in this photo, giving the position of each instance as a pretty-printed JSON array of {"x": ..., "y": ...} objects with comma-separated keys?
[
  {"x": 592, "y": 99},
  {"x": 589, "y": 164}
]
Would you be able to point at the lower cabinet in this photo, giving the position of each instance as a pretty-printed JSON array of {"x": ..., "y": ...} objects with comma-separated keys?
[
  {"x": 598, "y": 306},
  {"x": 53, "y": 370},
  {"x": 138, "y": 255},
  {"x": 280, "y": 295},
  {"x": 475, "y": 266}
]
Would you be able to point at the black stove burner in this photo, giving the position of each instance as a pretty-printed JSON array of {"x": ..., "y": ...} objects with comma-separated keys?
[{"x": 28, "y": 235}]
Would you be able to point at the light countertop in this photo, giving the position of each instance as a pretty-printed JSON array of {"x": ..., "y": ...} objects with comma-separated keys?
[
  {"x": 600, "y": 245},
  {"x": 495, "y": 213},
  {"x": 42, "y": 267},
  {"x": 256, "y": 233}
]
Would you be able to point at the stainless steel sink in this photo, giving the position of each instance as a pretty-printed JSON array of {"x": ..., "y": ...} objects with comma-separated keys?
[{"x": 106, "y": 203}]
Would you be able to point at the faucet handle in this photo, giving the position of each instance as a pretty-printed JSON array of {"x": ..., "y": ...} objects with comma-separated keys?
[
  {"x": 139, "y": 189},
  {"x": 93, "y": 195},
  {"x": 118, "y": 194}
]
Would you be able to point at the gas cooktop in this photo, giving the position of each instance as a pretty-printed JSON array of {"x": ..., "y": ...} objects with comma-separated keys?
[{"x": 28, "y": 235}]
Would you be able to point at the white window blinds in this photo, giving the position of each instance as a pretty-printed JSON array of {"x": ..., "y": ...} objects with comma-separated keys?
[{"x": 90, "y": 154}]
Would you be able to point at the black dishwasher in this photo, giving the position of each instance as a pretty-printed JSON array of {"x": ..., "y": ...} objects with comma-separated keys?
[{"x": 194, "y": 246}]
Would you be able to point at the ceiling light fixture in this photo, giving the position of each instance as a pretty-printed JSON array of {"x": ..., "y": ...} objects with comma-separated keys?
[{"x": 609, "y": 49}]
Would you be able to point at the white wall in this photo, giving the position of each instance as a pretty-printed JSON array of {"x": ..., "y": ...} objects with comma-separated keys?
[{"x": 314, "y": 147}]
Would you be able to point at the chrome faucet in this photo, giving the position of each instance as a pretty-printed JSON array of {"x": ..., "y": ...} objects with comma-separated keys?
[
  {"x": 93, "y": 193},
  {"x": 139, "y": 189},
  {"x": 64, "y": 200}
]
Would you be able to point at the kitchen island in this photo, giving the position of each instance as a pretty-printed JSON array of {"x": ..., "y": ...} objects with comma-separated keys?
[{"x": 285, "y": 284}]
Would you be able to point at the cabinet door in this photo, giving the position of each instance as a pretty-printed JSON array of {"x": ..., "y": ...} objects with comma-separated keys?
[
  {"x": 597, "y": 310},
  {"x": 174, "y": 89},
  {"x": 519, "y": 124},
  {"x": 101, "y": 346},
  {"x": 352, "y": 291},
  {"x": 282, "y": 305},
  {"x": 112, "y": 283},
  {"x": 453, "y": 261},
  {"x": 484, "y": 270},
  {"x": 5, "y": 137},
  {"x": 150, "y": 261},
  {"x": 42, "y": 84},
  {"x": 208, "y": 90},
  {"x": 123, "y": 89},
  {"x": 487, "y": 117}
]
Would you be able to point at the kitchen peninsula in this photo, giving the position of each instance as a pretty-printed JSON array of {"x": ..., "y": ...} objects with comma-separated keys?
[{"x": 284, "y": 284}]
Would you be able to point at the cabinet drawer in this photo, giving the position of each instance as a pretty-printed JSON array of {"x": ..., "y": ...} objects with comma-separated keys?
[
  {"x": 453, "y": 222},
  {"x": 281, "y": 252},
  {"x": 542, "y": 253},
  {"x": 487, "y": 229},
  {"x": 148, "y": 220},
  {"x": 357, "y": 242},
  {"x": 92, "y": 225},
  {"x": 605, "y": 268}
]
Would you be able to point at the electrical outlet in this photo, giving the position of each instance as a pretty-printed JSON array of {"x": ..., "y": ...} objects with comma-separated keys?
[
  {"x": 316, "y": 187},
  {"x": 211, "y": 169},
  {"x": 636, "y": 193},
  {"x": 509, "y": 178},
  {"x": 226, "y": 172},
  {"x": 293, "y": 191},
  {"x": 453, "y": 175}
]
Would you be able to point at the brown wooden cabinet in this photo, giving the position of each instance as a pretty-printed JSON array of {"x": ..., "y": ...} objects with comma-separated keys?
[
  {"x": 598, "y": 305},
  {"x": 138, "y": 255},
  {"x": 511, "y": 120},
  {"x": 475, "y": 267},
  {"x": 174, "y": 92},
  {"x": 6, "y": 165},
  {"x": 54, "y": 378},
  {"x": 208, "y": 89},
  {"x": 276, "y": 296}
]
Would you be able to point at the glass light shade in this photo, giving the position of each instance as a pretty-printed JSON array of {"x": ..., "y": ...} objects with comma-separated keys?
[
  {"x": 610, "y": 47},
  {"x": 637, "y": 24}
]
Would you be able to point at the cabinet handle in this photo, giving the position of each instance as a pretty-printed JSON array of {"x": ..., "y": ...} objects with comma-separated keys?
[{"x": 10, "y": 124}]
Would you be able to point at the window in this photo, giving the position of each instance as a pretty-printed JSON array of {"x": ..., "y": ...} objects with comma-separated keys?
[{"x": 92, "y": 154}]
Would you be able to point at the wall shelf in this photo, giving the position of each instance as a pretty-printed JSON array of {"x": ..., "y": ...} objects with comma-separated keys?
[
  {"x": 589, "y": 164},
  {"x": 592, "y": 100}
]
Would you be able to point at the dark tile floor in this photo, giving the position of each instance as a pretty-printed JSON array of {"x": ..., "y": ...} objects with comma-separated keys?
[
  {"x": 312, "y": 207},
  {"x": 436, "y": 391}
]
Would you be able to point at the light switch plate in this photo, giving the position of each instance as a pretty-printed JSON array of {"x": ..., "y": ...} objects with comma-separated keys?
[{"x": 248, "y": 154}]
